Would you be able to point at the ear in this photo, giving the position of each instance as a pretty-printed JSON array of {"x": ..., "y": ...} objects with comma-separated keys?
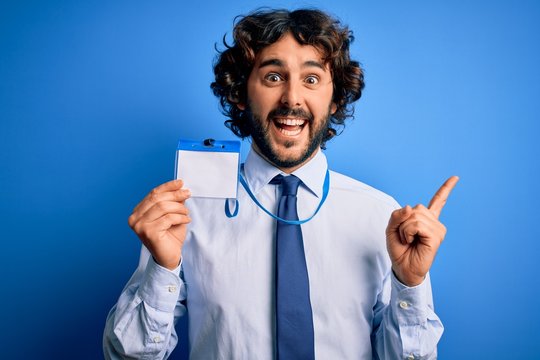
[
  {"x": 333, "y": 108},
  {"x": 241, "y": 106}
]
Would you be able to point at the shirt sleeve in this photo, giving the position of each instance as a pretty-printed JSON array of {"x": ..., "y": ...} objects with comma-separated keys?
[
  {"x": 141, "y": 324},
  {"x": 405, "y": 325}
]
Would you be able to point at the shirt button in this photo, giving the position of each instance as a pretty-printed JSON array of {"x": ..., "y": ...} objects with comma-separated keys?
[
  {"x": 404, "y": 305},
  {"x": 171, "y": 288},
  {"x": 410, "y": 357},
  {"x": 156, "y": 339}
]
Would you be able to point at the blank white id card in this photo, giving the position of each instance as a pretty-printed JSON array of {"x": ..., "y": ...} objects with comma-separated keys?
[{"x": 209, "y": 168}]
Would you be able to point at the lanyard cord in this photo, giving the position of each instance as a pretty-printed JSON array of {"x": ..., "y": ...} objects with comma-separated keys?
[{"x": 326, "y": 189}]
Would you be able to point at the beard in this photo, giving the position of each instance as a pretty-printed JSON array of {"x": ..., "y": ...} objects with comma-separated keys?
[{"x": 259, "y": 130}]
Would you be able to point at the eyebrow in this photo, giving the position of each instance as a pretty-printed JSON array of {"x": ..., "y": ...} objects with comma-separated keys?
[{"x": 279, "y": 63}]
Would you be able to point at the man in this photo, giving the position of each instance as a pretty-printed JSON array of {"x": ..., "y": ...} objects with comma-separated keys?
[{"x": 361, "y": 288}]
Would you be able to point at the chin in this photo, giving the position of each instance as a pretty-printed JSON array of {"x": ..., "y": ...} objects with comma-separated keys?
[{"x": 289, "y": 157}]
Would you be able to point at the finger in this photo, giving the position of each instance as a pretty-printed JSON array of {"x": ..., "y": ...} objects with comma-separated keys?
[
  {"x": 418, "y": 227},
  {"x": 163, "y": 208},
  {"x": 151, "y": 230},
  {"x": 169, "y": 186},
  {"x": 151, "y": 199},
  {"x": 168, "y": 221},
  {"x": 160, "y": 209},
  {"x": 165, "y": 187},
  {"x": 398, "y": 216},
  {"x": 439, "y": 199},
  {"x": 421, "y": 211},
  {"x": 419, "y": 214}
]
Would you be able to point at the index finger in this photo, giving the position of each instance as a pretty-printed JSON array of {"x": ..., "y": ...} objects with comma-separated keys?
[
  {"x": 166, "y": 187},
  {"x": 169, "y": 186},
  {"x": 439, "y": 199}
]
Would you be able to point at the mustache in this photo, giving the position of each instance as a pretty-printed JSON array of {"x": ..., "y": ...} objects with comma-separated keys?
[{"x": 288, "y": 112}]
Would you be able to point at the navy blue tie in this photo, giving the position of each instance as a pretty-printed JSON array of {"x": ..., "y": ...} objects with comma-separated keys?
[{"x": 294, "y": 319}]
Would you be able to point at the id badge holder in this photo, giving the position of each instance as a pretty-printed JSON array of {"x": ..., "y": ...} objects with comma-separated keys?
[{"x": 209, "y": 168}]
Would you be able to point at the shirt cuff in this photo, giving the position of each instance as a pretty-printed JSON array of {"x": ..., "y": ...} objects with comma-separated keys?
[
  {"x": 410, "y": 304},
  {"x": 160, "y": 287}
]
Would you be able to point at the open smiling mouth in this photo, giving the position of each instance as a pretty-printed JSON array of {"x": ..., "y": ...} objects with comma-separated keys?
[{"x": 290, "y": 127}]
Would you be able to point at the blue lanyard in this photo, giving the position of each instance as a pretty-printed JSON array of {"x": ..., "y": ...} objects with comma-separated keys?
[{"x": 326, "y": 189}]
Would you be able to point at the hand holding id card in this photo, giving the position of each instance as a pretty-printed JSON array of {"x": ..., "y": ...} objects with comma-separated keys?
[{"x": 209, "y": 168}]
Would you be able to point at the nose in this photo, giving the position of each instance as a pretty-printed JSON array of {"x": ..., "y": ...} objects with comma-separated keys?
[{"x": 292, "y": 95}]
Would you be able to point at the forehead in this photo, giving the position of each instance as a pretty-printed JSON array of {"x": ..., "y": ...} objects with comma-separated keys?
[{"x": 290, "y": 52}]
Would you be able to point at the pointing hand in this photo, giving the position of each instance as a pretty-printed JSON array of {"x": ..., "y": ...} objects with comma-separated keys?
[{"x": 414, "y": 235}]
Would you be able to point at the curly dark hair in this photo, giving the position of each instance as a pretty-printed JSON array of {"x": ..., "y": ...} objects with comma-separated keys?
[{"x": 264, "y": 27}]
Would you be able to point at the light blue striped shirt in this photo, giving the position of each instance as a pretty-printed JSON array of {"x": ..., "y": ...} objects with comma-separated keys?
[{"x": 226, "y": 280}]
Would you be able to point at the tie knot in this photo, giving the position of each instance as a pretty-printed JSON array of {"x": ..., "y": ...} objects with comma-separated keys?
[{"x": 289, "y": 184}]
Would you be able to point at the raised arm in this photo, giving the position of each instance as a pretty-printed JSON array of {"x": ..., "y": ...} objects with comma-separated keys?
[{"x": 141, "y": 324}]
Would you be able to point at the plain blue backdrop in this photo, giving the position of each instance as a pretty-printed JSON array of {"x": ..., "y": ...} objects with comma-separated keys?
[{"x": 94, "y": 96}]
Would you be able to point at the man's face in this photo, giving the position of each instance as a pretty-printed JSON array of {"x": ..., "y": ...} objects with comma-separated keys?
[{"x": 290, "y": 102}]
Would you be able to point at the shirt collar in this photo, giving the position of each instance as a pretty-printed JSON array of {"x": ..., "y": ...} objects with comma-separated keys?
[{"x": 259, "y": 172}]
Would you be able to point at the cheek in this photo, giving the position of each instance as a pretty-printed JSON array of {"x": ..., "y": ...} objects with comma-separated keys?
[
  {"x": 321, "y": 102},
  {"x": 262, "y": 103}
]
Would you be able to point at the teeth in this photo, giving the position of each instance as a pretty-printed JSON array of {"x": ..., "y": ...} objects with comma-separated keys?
[
  {"x": 290, "y": 132},
  {"x": 291, "y": 122}
]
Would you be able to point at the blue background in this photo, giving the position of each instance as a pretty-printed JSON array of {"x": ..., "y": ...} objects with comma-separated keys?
[{"x": 94, "y": 96}]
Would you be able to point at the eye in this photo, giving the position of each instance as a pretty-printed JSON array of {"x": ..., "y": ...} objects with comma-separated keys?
[
  {"x": 312, "y": 80},
  {"x": 273, "y": 77}
]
